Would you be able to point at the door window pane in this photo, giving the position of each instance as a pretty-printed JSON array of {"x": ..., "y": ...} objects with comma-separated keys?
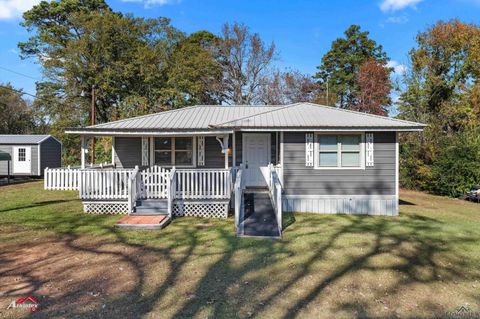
[
  {"x": 350, "y": 159},
  {"x": 328, "y": 159},
  {"x": 21, "y": 155}
]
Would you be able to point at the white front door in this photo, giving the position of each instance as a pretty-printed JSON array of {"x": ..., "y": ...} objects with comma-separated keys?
[
  {"x": 256, "y": 154},
  {"x": 22, "y": 160}
]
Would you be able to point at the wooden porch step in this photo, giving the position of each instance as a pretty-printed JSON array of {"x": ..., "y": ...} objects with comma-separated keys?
[
  {"x": 144, "y": 222},
  {"x": 146, "y": 207}
]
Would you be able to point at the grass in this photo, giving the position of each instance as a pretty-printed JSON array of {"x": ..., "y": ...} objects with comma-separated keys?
[{"x": 423, "y": 263}]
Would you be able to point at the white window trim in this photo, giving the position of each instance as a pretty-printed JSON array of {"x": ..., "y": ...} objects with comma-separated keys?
[
  {"x": 316, "y": 157},
  {"x": 172, "y": 151}
]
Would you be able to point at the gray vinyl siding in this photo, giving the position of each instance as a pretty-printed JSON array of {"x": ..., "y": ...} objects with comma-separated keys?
[
  {"x": 33, "y": 162},
  {"x": 376, "y": 180},
  {"x": 128, "y": 152},
  {"x": 214, "y": 158},
  {"x": 50, "y": 154}
]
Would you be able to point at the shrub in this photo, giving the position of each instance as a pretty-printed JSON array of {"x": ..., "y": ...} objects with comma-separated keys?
[{"x": 457, "y": 166}]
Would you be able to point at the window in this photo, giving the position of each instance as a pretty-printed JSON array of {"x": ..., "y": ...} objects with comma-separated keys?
[
  {"x": 339, "y": 151},
  {"x": 174, "y": 151},
  {"x": 22, "y": 157}
]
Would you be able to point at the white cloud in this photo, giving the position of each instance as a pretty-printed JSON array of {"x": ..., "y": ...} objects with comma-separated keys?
[
  {"x": 152, "y": 3},
  {"x": 398, "y": 68},
  {"x": 397, "y": 20},
  {"x": 11, "y": 9},
  {"x": 395, "y": 5}
]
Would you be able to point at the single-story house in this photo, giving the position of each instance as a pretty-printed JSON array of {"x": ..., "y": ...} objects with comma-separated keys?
[
  {"x": 30, "y": 154},
  {"x": 307, "y": 157}
]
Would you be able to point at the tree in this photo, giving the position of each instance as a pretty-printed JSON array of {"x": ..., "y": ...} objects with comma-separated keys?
[
  {"x": 457, "y": 167},
  {"x": 374, "y": 85},
  {"x": 245, "y": 60},
  {"x": 442, "y": 89},
  {"x": 15, "y": 114},
  {"x": 83, "y": 45},
  {"x": 447, "y": 67},
  {"x": 288, "y": 87},
  {"x": 341, "y": 65},
  {"x": 194, "y": 70}
]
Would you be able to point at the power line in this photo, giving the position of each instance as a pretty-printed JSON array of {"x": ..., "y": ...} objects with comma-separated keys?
[
  {"x": 18, "y": 91},
  {"x": 23, "y": 93},
  {"x": 18, "y": 73}
]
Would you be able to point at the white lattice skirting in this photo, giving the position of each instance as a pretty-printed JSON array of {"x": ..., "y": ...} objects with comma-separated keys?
[
  {"x": 201, "y": 209},
  {"x": 105, "y": 207}
]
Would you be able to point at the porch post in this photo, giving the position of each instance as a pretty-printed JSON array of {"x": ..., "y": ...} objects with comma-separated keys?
[
  {"x": 281, "y": 148},
  {"x": 225, "y": 149},
  {"x": 234, "y": 150},
  {"x": 82, "y": 152},
  {"x": 113, "y": 150}
]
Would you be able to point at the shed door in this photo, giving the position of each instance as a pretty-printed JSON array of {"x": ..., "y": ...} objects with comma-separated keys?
[
  {"x": 22, "y": 160},
  {"x": 256, "y": 154}
]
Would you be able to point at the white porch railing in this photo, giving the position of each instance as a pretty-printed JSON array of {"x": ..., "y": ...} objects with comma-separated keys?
[
  {"x": 275, "y": 192},
  {"x": 171, "y": 189},
  {"x": 61, "y": 178},
  {"x": 238, "y": 196},
  {"x": 133, "y": 188},
  {"x": 132, "y": 184},
  {"x": 106, "y": 184},
  {"x": 203, "y": 183}
]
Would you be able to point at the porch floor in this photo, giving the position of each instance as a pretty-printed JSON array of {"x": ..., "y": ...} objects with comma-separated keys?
[
  {"x": 147, "y": 222},
  {"x": 259, "y": 219}
]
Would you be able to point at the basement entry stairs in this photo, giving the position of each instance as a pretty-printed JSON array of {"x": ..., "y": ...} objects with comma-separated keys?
[{"x": 258, "y": 218}]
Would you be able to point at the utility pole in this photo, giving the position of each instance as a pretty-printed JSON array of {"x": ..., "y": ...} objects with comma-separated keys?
[
  {"x": 327, "y": 93},
  {"x": 92, "y": 113}
]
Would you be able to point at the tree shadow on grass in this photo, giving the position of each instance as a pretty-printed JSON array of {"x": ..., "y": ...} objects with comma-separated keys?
[
  {"x": 237, "y": 280},
  {"x": 36, "y": 205}
]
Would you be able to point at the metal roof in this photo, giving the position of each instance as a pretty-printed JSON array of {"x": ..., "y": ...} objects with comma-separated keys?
[
  {"x": 4, "y": 156},
  {"x": 194, "y": 117},
  {"x": 209, "y": 117},
  {"x": 316, "y": 116},
  {"x": 22, "y": 139}
]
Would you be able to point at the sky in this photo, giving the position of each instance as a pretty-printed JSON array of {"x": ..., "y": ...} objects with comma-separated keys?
[{"x": 301, "y": 30}]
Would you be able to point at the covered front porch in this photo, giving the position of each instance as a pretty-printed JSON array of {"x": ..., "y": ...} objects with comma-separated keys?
[{"x": 201, "y": 175}]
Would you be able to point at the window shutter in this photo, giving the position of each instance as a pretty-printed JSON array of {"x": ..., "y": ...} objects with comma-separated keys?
[
  {"x": 145, "y": 151},
  {"x": 201, "y": 150},
  {"x": 369, "y": 149},
  {"x": 309, "y": 149}
]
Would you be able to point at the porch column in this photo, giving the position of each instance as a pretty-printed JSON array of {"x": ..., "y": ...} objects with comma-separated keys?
[
  {"x": 113, "y": 150},
  {"x": 82, "y": 151},
  {"x": 234, "y": 151},
  {"x": 225, "y": 149}
]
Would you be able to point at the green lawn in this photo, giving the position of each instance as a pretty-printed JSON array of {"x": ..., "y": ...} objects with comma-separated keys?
[{"x": 421, "y": 264}]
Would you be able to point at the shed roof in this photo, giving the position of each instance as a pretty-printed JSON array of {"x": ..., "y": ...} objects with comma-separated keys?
[
  {"x": 293, "y": 116},
  {"x": 22, "y": 139}
]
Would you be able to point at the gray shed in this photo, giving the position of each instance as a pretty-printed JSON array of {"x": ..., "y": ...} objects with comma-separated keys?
[{"x": 30, "y": 154}]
